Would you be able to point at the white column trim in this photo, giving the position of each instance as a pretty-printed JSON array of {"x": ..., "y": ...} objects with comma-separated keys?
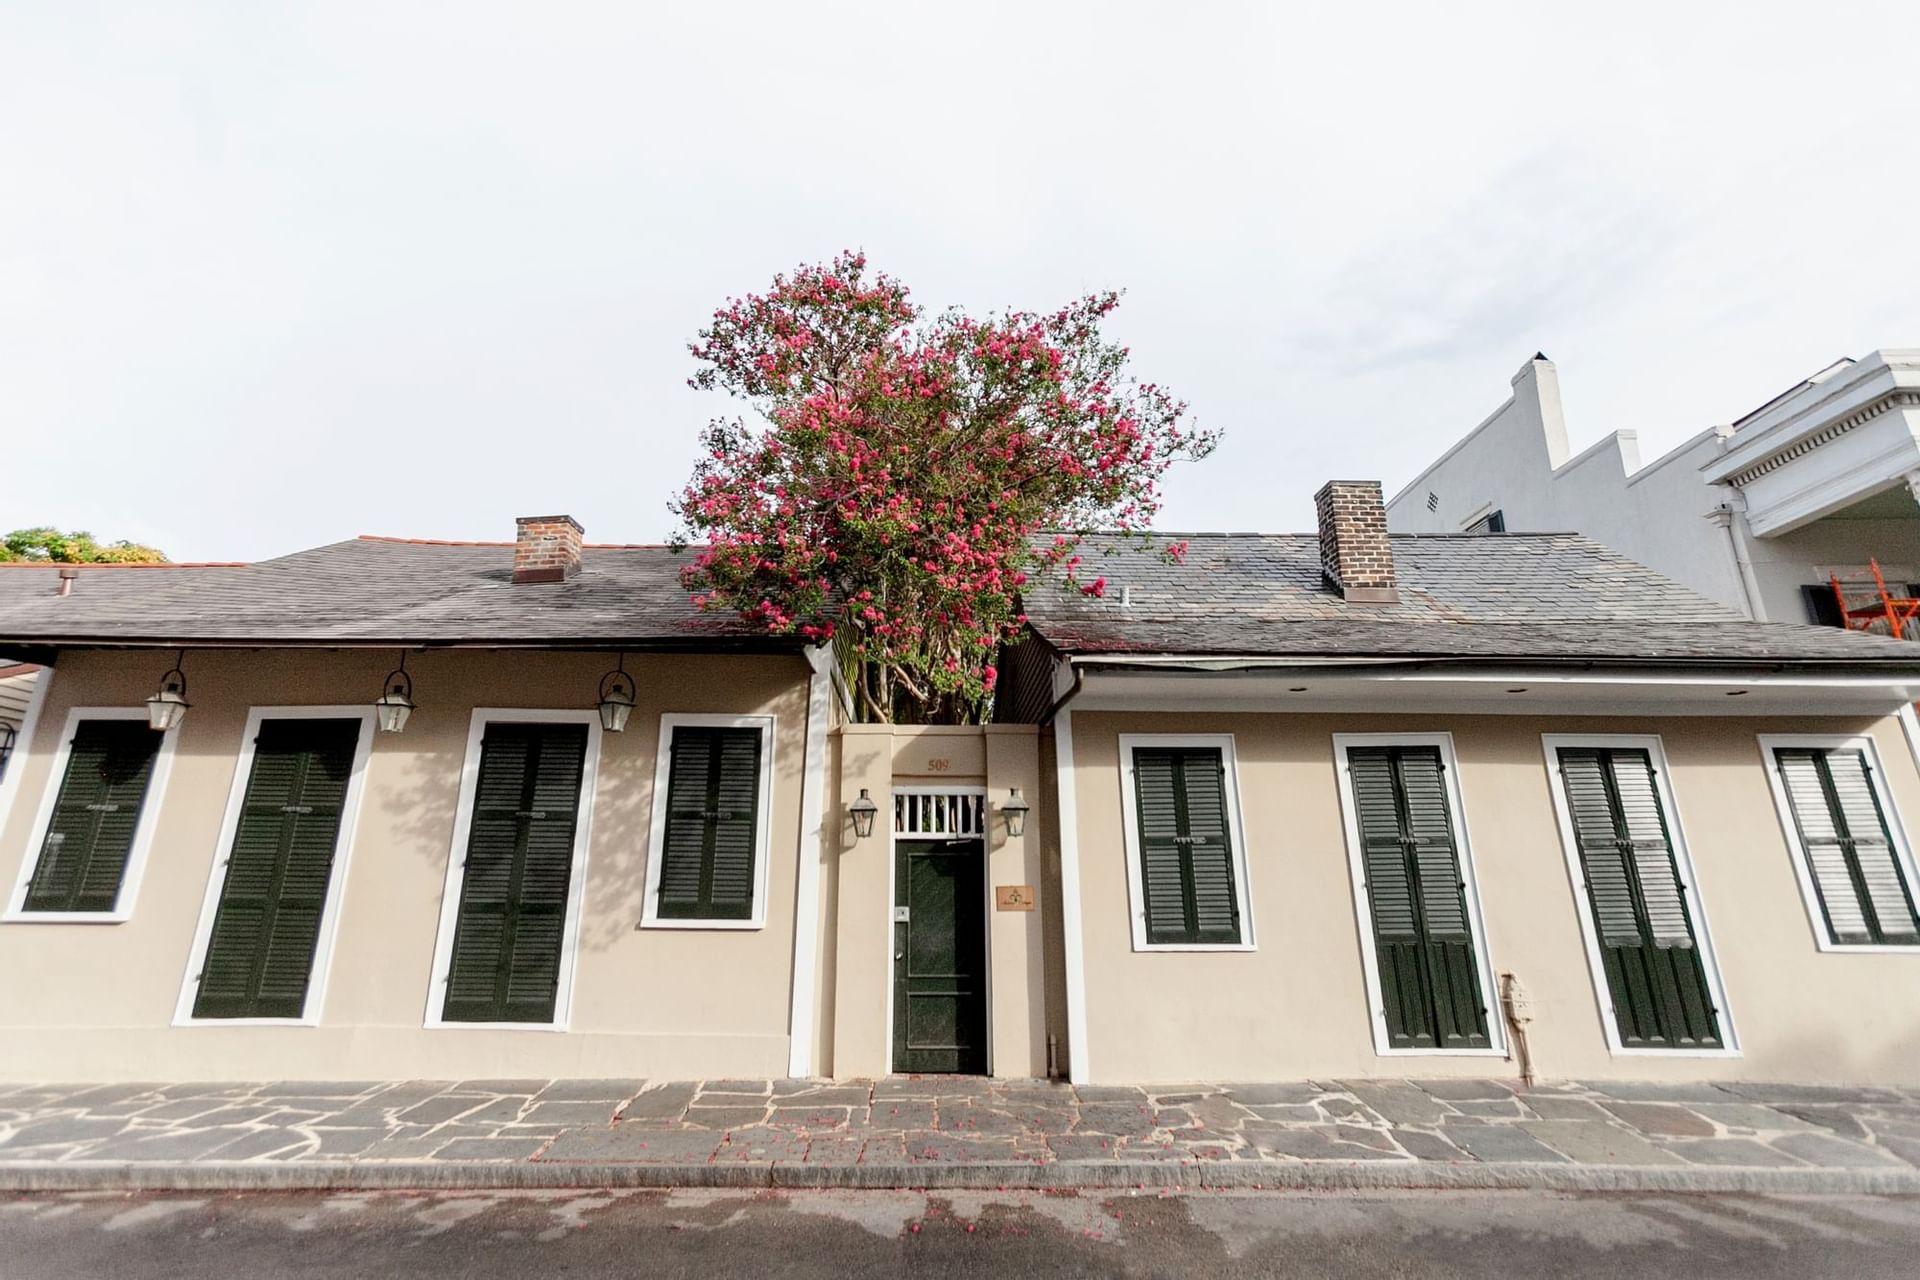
[
  {"x": 1910, "y": 722},
  {"x": 1075, "y": 943},
  {"x": 806, "y": 890}
]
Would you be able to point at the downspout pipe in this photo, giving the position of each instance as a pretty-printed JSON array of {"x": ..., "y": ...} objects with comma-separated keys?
[
  {"x": 1060, "y": 703},
  {"x": 1073, "y": 938},
  {"x": 1726, "y": 515}
]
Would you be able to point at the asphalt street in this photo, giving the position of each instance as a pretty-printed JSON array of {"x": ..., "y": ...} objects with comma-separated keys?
[{"x": 888, "y": 1233}]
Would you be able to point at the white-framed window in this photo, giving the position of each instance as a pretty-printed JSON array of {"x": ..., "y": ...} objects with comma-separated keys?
[
  {"x": 94, "y": 830},
  {"x": 270, "y": 917},
  {"x": 1850, "y": 851},
  {"x": 1185, "y": 843},
  {"x": 509, "y": 931},
  {"x": 1422, "y": 938},
  {"x": 1648, "y": 944},
  {"x": 711, "y": 824}
]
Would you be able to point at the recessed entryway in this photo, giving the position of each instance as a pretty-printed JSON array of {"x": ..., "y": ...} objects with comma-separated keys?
[{"x": 939, "y": 934}]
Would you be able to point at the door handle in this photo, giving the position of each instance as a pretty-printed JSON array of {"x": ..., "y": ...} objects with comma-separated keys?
[{"x": 899, "y": 955}]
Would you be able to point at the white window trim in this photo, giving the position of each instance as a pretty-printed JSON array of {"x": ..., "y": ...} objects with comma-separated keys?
[
  {"x": 1236, "y": 832},
  {"x": 143, "y": 833},
  {"x": 762, "y": 823},
  {"x": 1802, "y": 868},
  {"x": 183, "y": 1015},
  {"x": 457, "y": 857},
  {"x": 1480, "y": 513},
  {"x": 1683, "y": 860},
  {"x": 1362, "y": 902}
]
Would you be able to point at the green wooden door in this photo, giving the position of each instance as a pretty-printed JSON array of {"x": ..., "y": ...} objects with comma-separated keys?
[
  {"x": 84, "y": 856},
  {"x": 508, "y": 940},
  {"x": 259, "y": 958},
  {"x": 1648, "y": 944},
  {"x": 939, "y": 956},
  {"x": 1430, "y": 985}
]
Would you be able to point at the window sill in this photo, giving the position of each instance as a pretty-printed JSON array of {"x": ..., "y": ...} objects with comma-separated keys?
[
  {"x": 736, "y": 925},
  {"x": 66, "y": 917},
  {"x": 1440, "y": 1053},
  {"x": 438, "y": 1024},
  {"x": 1619, "y": 1052},
  {"x": 1146, "y": 947},
  {"x": 1869, "y": 949}
]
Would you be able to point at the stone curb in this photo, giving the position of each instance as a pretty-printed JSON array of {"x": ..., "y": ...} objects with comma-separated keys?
[{"x": 452, "y": 1175}]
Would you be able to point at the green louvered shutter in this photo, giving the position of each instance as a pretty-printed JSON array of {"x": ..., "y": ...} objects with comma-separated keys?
[
  {"x": 1655, "y": 976},
  {"x": 84, "y": 856},
  {"x": 713, "y": 815},
  {"x": 1429, "y": 970},
  {"x": 509, "y": 937},
  {"x": 259, "y": 958},
  {"x": 1861, "y": 886},
  {"x": 1186, "y": 852}
]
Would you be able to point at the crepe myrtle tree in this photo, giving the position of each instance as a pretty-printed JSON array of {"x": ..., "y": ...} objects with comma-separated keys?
[{"x": 895, "y": 495}]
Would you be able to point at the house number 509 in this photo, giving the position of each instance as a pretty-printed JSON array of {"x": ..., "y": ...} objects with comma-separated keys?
[{"x": 939, "y": 765}]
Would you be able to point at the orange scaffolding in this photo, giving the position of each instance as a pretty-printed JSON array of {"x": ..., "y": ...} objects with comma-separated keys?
[{"x": 1896, "y": 611}]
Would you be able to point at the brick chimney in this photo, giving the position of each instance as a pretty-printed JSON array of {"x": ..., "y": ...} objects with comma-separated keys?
[
  {"x": 546, "y": 549},
  {"x": 1354, "y": 551}
]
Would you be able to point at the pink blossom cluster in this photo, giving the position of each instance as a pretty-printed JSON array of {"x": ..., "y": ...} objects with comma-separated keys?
[{"x": 894, "y": 498}]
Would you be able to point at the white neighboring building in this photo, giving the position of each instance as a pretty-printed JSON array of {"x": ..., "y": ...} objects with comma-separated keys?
[
  {"x": 1816, "y": 483},
  {"x": 16, "y": 696}
]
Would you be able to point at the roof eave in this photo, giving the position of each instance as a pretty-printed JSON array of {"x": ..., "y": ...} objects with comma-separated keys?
[
  {"x": 1897, "y": 668},
  {"x": 45, "y": 645}
]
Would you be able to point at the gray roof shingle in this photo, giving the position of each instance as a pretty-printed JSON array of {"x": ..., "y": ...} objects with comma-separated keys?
[
  {"x": 375, "y": 590},
  {"x": 1511, "y": 596},
  {"x": 1548, "y": 596}
]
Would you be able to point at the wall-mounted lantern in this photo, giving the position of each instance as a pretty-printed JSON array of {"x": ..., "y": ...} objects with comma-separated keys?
[
  {"x": 863, "y": 812},
  {"x": 168, "y": 705},
  {"x": 396, "y": 704},
  {"x": 1016, "y": 810},
  {"x": 617, "y": 696}
]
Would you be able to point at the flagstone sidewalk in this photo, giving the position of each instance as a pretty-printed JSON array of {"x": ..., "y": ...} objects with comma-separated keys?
[{"x": 945, "y": 1131}]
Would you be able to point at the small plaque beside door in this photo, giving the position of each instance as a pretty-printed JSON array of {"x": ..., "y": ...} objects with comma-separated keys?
[{"x": 1013, "y": 897}]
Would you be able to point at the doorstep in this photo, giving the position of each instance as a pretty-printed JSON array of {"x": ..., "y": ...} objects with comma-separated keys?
[{"x": 960, "y": 1132}]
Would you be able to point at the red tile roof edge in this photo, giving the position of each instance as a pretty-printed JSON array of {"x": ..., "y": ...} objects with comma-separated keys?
[
  {"x": 161, "y": 564},
  {"x": 469, "y": 542}
]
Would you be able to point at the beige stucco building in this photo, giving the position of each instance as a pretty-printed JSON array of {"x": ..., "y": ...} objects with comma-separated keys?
[{"x": 1333, "y": 805}]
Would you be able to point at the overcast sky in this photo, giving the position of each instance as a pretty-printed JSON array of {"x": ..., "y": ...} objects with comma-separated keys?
[{"x": 276, "y": 274}]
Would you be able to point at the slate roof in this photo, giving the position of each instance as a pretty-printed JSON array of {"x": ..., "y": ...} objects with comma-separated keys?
[
  {"x": 374, "y": 590},
  {"x": 1551, "y": 597},
  {"x": 1545, "y": 596}
]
